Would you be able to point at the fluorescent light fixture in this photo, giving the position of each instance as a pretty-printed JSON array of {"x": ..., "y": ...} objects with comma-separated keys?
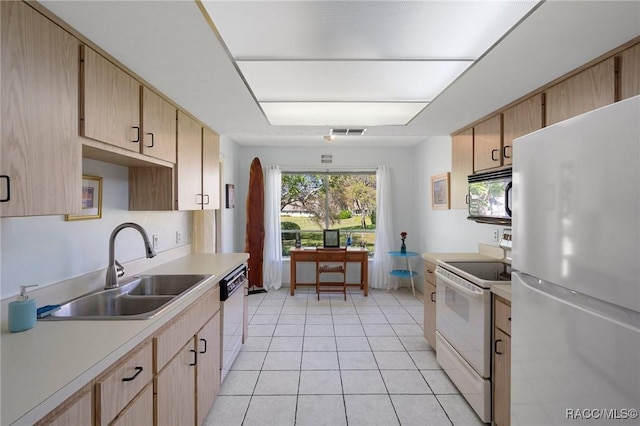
[
  {"x": 345, "y": 114},
  {"x": 341, "y": 81}
]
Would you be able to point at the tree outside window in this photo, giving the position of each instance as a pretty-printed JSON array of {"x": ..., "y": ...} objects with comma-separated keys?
[{"x": 312, "y": 202}]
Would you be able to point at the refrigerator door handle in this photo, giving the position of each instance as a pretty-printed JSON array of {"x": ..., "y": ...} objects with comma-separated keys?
[{"x": 507, "y": 196}]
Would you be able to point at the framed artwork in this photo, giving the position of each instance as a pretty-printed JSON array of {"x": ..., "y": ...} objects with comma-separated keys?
[
  {"x": 440, "y": 191},
  {"x": 331, "y": 238},
  {"x": 230, "y": 196},
  {"x": 91, "y": 199}
]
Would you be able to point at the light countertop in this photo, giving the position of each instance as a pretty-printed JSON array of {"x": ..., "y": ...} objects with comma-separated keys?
[
  {"x": 44, "y": 366},
  {"x": 485, "y": 252},
  {"x": 502, "y": 290}
]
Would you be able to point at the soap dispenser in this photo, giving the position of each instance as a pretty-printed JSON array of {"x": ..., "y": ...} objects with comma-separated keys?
[{"x": 22, "y": 311}]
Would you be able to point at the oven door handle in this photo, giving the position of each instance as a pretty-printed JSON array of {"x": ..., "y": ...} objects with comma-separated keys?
[{"x": 458, "y": 287}]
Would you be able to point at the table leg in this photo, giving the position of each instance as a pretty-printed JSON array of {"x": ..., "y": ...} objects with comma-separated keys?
[
  {"x": 411, "y": 276},
  {"x": 364, "y": 275},
  {"x": 292, "y": 271}
]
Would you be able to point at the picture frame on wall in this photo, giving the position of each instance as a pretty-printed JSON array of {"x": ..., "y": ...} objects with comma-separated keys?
[
  {"x": 440, "y": 191},
  {"x": 91, "y": 199},
  {"x": 230, "y": 196}
]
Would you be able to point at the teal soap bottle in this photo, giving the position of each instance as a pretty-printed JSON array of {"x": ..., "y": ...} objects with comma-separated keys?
[{"x": 22, "y": 311}]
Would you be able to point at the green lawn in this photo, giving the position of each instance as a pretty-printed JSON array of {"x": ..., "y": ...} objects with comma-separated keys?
[{"x": 314, "y": 237}]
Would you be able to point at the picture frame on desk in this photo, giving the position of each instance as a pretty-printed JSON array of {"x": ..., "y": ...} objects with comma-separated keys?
[{"x": 331, "y": 238}]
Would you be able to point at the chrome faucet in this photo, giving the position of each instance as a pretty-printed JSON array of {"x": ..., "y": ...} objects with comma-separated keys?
[{"x": 115, "y": 270}]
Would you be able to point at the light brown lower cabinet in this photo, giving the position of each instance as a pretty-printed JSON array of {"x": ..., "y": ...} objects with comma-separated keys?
[
  {"x": 501, "y": 362},
  {"x": 207, "y": 367},
  {"x": 77, "y": 410},
  {"x": 430, "y": 303},
  {"x": 139, "y": 412},
  {"x": 171, "y": 378},
  {"x": 175, "y": 384},
  {"x": 120, "y": 385}
]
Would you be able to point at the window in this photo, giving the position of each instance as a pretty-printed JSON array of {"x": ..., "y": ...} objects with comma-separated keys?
[{"x": 312, "y": 202}]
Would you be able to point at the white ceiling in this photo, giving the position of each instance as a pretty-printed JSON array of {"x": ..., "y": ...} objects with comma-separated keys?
[{"x": 171, "y": 45}]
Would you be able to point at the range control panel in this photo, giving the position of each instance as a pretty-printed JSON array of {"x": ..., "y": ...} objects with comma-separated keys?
[{"x": 506, "y": 243}]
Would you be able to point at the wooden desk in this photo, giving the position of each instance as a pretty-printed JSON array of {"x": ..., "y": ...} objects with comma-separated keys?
[{"x": 354, "y": 255}]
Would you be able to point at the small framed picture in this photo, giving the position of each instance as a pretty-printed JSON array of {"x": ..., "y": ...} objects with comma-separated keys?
[
  {"x": 331, "y": 238},
  {"x": 91, "y": 199},
  {"x": 230, "y": 196},
  {"x": 440, "y": 191}
]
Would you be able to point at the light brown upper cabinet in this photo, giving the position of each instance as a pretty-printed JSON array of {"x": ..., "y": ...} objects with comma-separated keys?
[
  {"x": 630, "y": 72},
  {"x": 520, "y": 120},
  {"x": 210, "y": 169},
  {"x": 41, "y": 164},
  {"x": 110, "y": 109},
  {"x": 487, "y": 144},
  {"x": 590, "y": 89},
  {"x": 189, "y": 164},
  {"x": 461, "y": 167},
  {"x": 197, "y": 178},
  {"x": 158, "y": 126}
]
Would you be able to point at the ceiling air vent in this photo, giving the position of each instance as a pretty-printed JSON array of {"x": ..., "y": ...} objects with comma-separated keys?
[
  {"x": 348, "y": 132},
  {"x": 326, "y": 158}
]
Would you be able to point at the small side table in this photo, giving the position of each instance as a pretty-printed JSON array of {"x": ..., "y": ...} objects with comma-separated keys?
[{"x": 404, "y": 273}]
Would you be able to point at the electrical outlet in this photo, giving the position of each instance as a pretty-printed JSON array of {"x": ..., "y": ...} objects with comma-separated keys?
[
  {"x": 496, "y": 235},
  {"x": 178, "y": 237},
  {"x": 155, "y": 241}
]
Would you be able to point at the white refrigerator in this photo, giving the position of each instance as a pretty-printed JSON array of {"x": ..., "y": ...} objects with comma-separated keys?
[{"x": 576, "y": 257}]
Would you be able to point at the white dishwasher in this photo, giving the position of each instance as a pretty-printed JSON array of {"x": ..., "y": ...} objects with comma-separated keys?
[{"x": 232, "y": 314}]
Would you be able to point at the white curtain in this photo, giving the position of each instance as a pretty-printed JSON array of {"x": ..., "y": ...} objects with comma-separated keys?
[
  {"x": 272, "y": 254},
  {"x": 384, "y": 230}
]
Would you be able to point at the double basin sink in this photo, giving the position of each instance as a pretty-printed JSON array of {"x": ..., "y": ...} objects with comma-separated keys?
[{"x": 138, "y": 297}]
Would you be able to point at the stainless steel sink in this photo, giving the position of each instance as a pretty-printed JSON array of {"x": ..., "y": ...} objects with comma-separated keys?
[
  {"x": 171, "y": 285},
  {"x": 139, "y": 297}
]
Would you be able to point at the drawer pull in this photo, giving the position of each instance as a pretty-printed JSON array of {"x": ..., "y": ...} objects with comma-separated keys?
[
  {"x": 205, "y": 346},
  {"x": 137, "y": 134},
  {"x": 8, "y": 197},
  {"x": 195, "y": 357},
  {"x": 495, "y": 346},
  {"x": 152, "y": 141},
  {"x": 128, "y": 379}
]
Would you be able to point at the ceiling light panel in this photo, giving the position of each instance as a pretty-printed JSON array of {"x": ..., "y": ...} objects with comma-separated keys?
[
  {"x": 349, "y": 80},
  {"x": 365, "y": 114},
  {"x": 363, "y": 29}
]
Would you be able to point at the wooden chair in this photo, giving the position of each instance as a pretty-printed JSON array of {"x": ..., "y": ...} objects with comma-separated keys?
[{"x": 331, "y": 261}]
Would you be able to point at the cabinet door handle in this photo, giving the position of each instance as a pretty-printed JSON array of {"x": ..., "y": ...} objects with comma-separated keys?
[
  {"x": 495, "y": 346},
  {"x": 467, "y": 198},
  {"x": 8, "y": 197},
  {"x": 137, "y": 134},
  {"x": 504, "y": 151},
  {"x": 433, "y": 296},
  {"x": 205, "y": 346},
  {"x": 205, "y": 195},
  {"x": 495, "y": 151},
  {"x": 128, "y": 379},
  {"x": 152, "y": 141},
  {"x": 195, "y": 357},
  {"x": 199, "y": 199}
]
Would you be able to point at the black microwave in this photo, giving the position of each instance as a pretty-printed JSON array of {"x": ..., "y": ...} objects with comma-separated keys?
[{"x": 489, "y": 197}]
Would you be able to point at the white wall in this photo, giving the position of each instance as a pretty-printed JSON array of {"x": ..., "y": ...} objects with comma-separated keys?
[
  {"x": 44, "y": 250},
  {"x": 443, "y": 231}
]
